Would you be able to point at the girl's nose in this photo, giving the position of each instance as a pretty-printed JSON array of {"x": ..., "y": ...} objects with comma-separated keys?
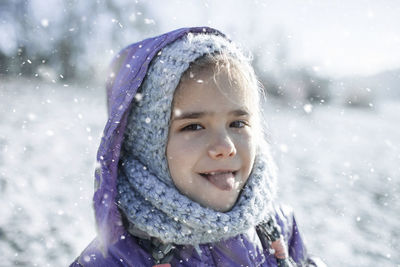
[{"x": 222, "y": 148}]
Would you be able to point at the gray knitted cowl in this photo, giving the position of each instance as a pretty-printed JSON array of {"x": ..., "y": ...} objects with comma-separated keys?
[{"x": 147, "y": 196}]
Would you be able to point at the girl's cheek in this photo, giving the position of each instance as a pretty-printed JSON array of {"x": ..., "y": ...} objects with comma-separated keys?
[
  {"x": 246, "y": 136},
  {"x": 183, "y": 142},
  {"x": 248, "y": 142},
  {"x": 191, "y": 138}
]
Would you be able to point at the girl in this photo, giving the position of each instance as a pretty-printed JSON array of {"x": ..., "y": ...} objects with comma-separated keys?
[{"x": 185, "y": 176}]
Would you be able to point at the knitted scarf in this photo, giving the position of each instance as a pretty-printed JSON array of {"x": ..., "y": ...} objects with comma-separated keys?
[{"x": 163, "y": 212}]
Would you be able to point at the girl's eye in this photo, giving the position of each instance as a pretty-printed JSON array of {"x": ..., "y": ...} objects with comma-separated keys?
[
  {"x": 238, "y": 124},
  {"x": 192, "y": 127}
]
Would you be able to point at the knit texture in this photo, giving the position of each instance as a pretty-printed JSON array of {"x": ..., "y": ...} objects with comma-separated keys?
[{"x": 146, "y": 193}]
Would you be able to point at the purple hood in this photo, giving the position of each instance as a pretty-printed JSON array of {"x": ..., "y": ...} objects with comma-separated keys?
[{"x": 114, "y": 246}]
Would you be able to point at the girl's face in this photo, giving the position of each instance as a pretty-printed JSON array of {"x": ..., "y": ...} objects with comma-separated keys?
[{"x": 211, "y": 145}]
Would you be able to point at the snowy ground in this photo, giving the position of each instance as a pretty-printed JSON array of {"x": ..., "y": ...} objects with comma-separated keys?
[{"x": 339, "y": 169}]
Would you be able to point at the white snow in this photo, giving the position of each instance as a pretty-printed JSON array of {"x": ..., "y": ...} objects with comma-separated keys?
[
  {"x": 341, "y": 174},
  {"x": 46, "y": 171},
  {"x": 339, "y": 169}
]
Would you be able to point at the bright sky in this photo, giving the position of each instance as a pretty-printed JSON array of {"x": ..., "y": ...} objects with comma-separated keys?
[{"x": 335, "y": 37}]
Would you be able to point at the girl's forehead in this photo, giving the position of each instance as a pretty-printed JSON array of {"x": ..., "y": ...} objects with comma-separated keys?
[{"x": 207, "y": 89}]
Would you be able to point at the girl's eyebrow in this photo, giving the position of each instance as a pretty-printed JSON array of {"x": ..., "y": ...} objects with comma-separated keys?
[
  {"x": 239, "y": 112},
  {"x": 199, "y": 114},
  {"x": 191, "y": 115}
]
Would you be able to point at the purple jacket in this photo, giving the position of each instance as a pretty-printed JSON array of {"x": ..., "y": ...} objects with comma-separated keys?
[{"x": 114, "y": 246}]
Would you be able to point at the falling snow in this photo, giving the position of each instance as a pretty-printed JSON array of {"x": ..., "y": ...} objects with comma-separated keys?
[{"x": 338, "y": 169}]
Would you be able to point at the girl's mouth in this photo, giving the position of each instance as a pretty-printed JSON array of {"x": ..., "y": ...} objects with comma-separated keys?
[{"x": 224, "y": 180}]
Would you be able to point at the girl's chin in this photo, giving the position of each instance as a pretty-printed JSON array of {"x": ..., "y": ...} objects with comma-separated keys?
[
  {"x": 209, "y": 195},
  {"x": 224, "y": 208},
  {"x": 217, "y": 205}
]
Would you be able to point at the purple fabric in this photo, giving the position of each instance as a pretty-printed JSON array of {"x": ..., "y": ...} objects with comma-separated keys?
[
  {"x": 241, "y": 250},
  {"x": 114, "y": 246}
]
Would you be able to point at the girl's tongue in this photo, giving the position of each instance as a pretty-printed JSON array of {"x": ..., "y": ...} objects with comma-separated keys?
[{"x": 223, "y": 180}]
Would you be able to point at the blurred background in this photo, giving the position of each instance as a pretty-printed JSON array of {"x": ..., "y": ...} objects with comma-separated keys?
[{"x": 331, "y": 73}]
